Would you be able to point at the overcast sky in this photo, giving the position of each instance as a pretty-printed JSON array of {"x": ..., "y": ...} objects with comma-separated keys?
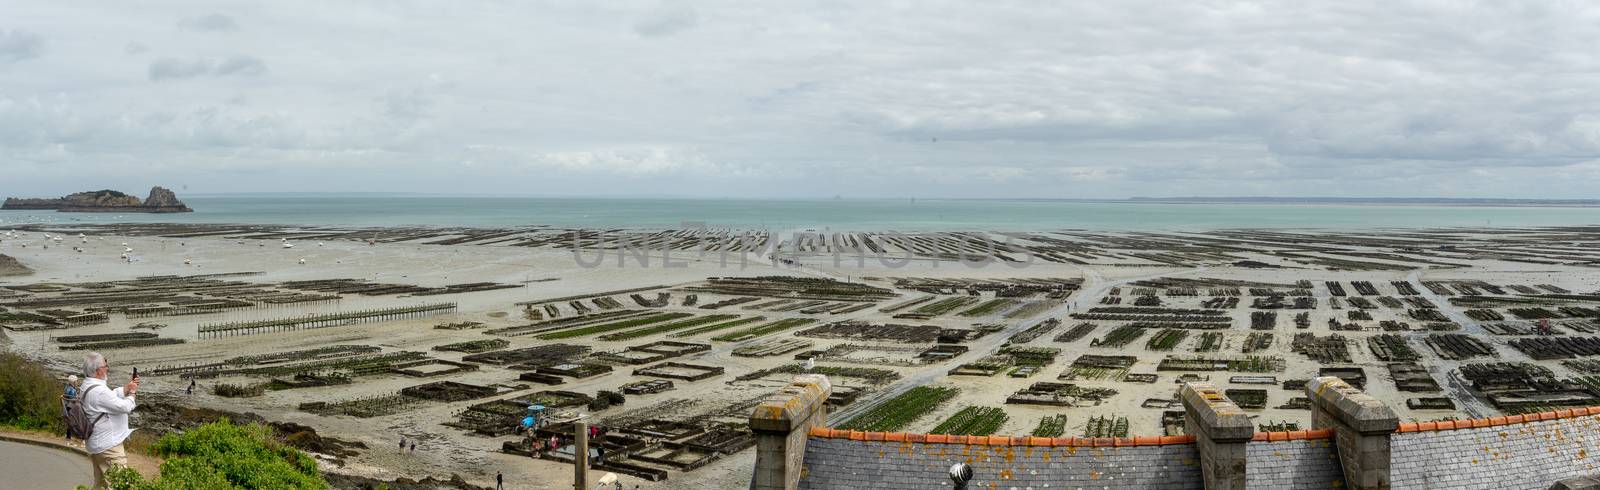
[{"x": 1044, "y": 99}]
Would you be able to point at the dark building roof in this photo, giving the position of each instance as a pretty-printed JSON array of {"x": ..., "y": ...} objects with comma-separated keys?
[
  {"x": 853, "y": 459},
  {"x": 1308, "y": 463},
  {"x": 1522, "y": 451}
]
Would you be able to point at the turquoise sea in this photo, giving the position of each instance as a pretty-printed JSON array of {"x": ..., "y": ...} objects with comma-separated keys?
[{"x": 846, "y": 214}]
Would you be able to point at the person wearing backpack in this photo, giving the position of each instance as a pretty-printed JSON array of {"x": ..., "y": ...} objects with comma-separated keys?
[{"x": 101, "y": 416}]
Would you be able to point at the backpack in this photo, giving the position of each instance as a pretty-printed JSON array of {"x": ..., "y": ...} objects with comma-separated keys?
[{"x": 78, "y": 423}]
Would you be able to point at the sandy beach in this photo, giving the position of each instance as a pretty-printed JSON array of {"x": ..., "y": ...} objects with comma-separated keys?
[{"x": 1127, "y": 267}]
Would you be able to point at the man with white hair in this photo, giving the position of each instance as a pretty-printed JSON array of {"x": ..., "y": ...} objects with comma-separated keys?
[{"x": 108, "y": 410}]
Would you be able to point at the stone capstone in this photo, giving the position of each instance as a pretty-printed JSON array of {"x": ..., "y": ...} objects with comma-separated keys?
[{"x": 1351, "y": 407}]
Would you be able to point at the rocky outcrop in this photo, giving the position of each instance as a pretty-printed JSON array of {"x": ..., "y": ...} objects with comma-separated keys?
[
  {"x": 10, "y": 267},
  {"x": 161, "y": 200}
]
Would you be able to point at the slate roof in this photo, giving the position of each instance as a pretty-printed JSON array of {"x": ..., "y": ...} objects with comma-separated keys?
[
  {"x": 849, "y": 459},
  {"x": 843, "y": 463},
  {"x": 1524, "y": 451},
  {"x": 1307, "y": 463},
  {"x": 1530, "y": 451}
]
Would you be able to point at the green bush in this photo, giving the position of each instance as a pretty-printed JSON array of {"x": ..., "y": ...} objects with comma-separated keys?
[
  {"x": 30, "y": 398},
  {"x": 221, "y": 455}
]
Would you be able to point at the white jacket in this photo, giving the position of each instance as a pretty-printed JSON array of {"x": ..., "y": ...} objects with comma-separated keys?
[{"x": 111, "y": 430}]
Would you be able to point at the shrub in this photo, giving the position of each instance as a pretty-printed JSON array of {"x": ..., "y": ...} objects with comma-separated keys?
[
  {"x": 30, "y": 398},
  {"x": 224, "y": 455},
  {"x": 612, "y": 397}
]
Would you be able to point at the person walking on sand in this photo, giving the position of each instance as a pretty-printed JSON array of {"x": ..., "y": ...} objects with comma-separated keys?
[
  {"x": 413, "y": 447},
  {"x": 402, "y": 444},
  {"x": 107, "y": 411},
  {"x": 499, "y": 481}
]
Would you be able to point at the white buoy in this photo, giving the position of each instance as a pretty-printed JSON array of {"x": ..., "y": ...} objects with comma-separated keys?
[{"x": 302, "y": 261}]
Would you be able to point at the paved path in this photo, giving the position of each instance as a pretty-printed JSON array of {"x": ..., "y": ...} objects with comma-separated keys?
[{"x": 37, "y": 467}]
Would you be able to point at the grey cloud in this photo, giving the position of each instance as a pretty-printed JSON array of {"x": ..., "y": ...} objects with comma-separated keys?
[
  {"x": 135, "y": 48},
  {"x": 241, "y": 65},
  {"x": 667, "y": 18},
  {"x": 17, "y": 45},
  {"x": 936, "y": 98},
  {"x": 169, "y": 68},
  {"x": 208, "y": 23}
]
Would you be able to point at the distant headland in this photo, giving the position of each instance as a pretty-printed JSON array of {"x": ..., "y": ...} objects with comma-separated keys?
[{"x": 161, "y": 200}]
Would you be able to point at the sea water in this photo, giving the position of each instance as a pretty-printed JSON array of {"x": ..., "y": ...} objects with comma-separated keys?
[{"x": 839, "y": 214}]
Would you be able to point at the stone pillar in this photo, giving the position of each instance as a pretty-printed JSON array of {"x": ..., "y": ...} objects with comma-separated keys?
[
  {"x": 781, "y": 424},
  {"x": 1221, "y": 430},
  {"x": 580, "y": 455},
  {"x": 1361, "y": 428}
]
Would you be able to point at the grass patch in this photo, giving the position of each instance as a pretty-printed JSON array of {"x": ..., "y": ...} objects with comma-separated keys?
[
  {"x": 991, "y": 306},
  {"x": 972, "y": 421},
  {"x": 763, "y": 329},
  {"x": 1051, "y": 426},
  {"x": 719, "y": 326},
  {"x": 607, "y": 327},
  {"x": 900, "y": 411},
  {"x": 667, "y": 327}
]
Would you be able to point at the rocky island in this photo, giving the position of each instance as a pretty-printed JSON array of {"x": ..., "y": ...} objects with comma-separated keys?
[{"x": 161, "y": 200}]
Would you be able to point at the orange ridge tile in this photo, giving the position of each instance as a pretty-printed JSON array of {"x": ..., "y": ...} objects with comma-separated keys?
[
  {"x": 1147, "y": 441},
  {"x": 955, "y": 439},
  {"x": 856, "y": 435},
  {"x": 1259, "y": 437},
  {"x": 938, "y": 439},
  {"x": 1479, "y": 423},
  {"x": 1407, "y": 428},
  {"x": 1427, "y": 426},
  {"x": 1319, "y": 434},
  {"x": 1040, "y": 441},
  {"x": 895, "y": 437},
  {"x": 1102, "y": 442},
  {"x": 1061, "y": 441},
  {"x": 1515, "y": 419},
  {"x": 1447, "y": 425},
  {"x": 1297, "y": 435},
  {"x": 1184, "y": 439},
  {"x": 1277, "y": 436},
  {"x": 874, "y": 436},
  {"x": 1122, "y": 442},
  {"x": 917, "y": 437},
  {"x": 820, "y": 432}
]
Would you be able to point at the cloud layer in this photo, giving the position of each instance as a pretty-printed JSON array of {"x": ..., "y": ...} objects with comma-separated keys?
[{"x": 794, "y": 99}]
